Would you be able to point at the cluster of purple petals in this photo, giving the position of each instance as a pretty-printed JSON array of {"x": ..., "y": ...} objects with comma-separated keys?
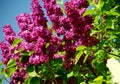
[
  {"x": 18, "y": 76},
  {"x": 73, "y": 27},
  {"x": 9, "y": 34},
  {"x": 38, "y": 59},
  {"x": 6, "y": 54},
  {"x": 72, "y": 30},
  {"x": 37, "y": 14}
]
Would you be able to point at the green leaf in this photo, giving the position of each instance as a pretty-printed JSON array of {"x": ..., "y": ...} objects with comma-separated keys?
[
  {"x": 28, "y": 80},
  {"x": 78, "y": 56},
  {"x": 30, "y": 68},
  {"x": 27, "y": 53},
  {"x": 86, "y": 56},
  {"x": 93, "y": 32},
  {"x": 1, "y": 63},
  {"x": 31, "y": 71},
  {"x": 35, "y": 80},
  {"x": 32, "y": 74},
  {"x": 17, "y": 51},
  {"x": 100, "y": 5},
  {"x": 76, "y": 68},
  {"x": 87, "y": 12},
  {"x": 98, "y": 80},
  {"x": 23, "y": 58},
  {"x": 16, "y": 42},
  {"x": 10, "y": 71},
  {"x": 1, "y": 80},
  {"x": 70, "y": 74},
  {"x": 11, "y": 63},
  {"x": 101, "y": 67},
  {"x": 102, "y": 53},
  {"x": 2, "y": 71},
  {"x": 60, "y": 2},
  {"x": 109, "y": 23},
  {"x": 80, "y": 48}
]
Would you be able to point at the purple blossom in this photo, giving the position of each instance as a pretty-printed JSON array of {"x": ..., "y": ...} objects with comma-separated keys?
[
  {"x": 52, "y": 49},
  {"x": 28, "y": 46},
  {"x": 52, "y": 8},
  {"x": 56, "y": 56},
  {"x": 55, "y": 40},
  {"x": 37, "y": 14},
  {"x": 38, "y": 50},
  {"x": 25, "y": 35},
  {"x": 34, "y": 35},
  {"x": 9, "y": 34},
  {"x": 78, "y": 4},
  {"x": 40, "y": 42},
  {"x": 54, "y": 18},
  {"x": 60, "y": 31},
  {"x": 7, "y": 29},
  {"x": 69, "y": 35},
  {"x": 34, "y": 59},
  {"x": 6, "y": 53},
  {"x": 23, "y": 21},
  {"x": 44, "y": 58},
  {"x": 18, "y": 76}
]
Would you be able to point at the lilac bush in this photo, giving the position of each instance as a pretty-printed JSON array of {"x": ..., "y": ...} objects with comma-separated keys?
[{"x": 40, "y": 46}]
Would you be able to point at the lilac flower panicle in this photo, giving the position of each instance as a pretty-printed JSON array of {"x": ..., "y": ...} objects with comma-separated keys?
[
  {"x": 40, "y": 42},
  {"x": 60, "y": 31},
  {"x": 6, "y": 54},
  {"x": 55, "y": 40},
  {"x": 37, "y": 14},
  {"x": 23, "y": 21},
  {"x": 69, "y": 35},
  {"x": 25, "y": 35},
  {"x": 9, "y": 34},
  {"x": 7, "y": 29},
  {"x": 52, "y": 49},
  {"x": 38, "y": 50},
  {"x": 56, "y": 56},
  {"x": 44, "y": 58},
  {"x": 34, "y": 59},
  {"x": 18, "y": 76},
  {"x": 78, "y": 4}
]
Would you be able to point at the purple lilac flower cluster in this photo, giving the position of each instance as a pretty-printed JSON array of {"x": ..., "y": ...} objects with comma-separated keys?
[
  {"x": 18, "y": 76},
  {"x": 72, "y": 30}
]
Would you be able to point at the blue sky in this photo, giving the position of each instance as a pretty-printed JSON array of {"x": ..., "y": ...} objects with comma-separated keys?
[{"x": 9, "y": 9}]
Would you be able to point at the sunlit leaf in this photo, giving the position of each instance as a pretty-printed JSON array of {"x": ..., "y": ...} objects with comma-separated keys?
[
  {"x": 100, "y": 4},
  {"x": 80, "y": 48},
  {"x": 70, "y": 74},
  {"x": 16, "y": 42},
  {"x": 17, "y": 51},
  {"x": 28, "y": 80},
  {"x": 98, "y": 80},
  {"x": 85, "y": 59},
  {"x": 27, "y": 53},
  {"x": 10, "y": 71},
  {"x": 11, "y": 63},
  {"x": 78, "y": 56},
  {"x": 1, "y": 63},
  {"x": 89, "y": 12}
]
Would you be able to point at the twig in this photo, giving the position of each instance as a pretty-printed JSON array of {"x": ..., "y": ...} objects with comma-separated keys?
[{"x": 114, "y": 54}]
